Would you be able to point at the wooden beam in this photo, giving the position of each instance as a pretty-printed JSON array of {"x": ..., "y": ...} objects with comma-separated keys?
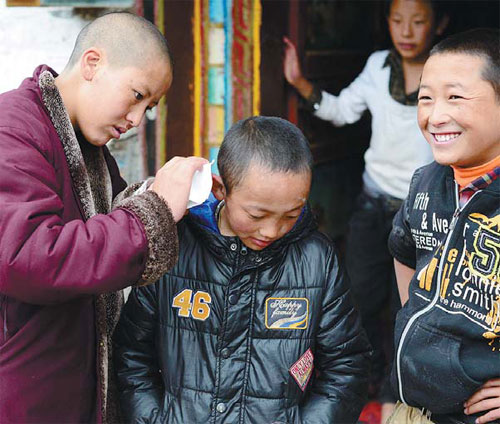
[{"x": 180, "y": 98}]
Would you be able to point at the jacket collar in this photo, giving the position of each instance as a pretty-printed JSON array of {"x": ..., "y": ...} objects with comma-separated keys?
[
  {"x": 223, "y": 247},
  {"x": 447, "y": 172},
  {"x": 86, "y": 163}
]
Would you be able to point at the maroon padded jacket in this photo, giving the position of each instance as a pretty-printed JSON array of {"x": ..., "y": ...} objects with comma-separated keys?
[{"x": 63, "y": 252}]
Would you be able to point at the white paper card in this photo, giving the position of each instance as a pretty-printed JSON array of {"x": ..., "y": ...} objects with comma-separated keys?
[{"x": 201, "y": 186}]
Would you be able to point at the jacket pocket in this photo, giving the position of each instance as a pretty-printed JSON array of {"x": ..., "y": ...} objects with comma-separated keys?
[{"x": 432, "y": 375}]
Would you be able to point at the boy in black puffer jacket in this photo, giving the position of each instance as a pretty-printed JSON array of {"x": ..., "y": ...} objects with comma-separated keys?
[{"x": 254, "y": 324}]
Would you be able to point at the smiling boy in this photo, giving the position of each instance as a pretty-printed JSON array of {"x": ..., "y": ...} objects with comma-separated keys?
[
  {"x": 446, "y": 242},
  {"x": 254, "y": 324},
  {"x": 65, "y": 251}
]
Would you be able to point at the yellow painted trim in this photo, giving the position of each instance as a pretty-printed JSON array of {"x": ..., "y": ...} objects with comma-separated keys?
[
  {"x": 257, "y": 21},
  {"x": 23, "y": 3},
  {"x": 161, "y": 133},
  {"x": 160, "y": 16},
  {"x": 162, "y": 112},
  {"x": 197, "y": 78}
]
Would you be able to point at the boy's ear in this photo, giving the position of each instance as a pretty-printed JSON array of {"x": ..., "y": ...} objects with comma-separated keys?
[
  {"x": 442, "y": 25},
  {"x": 218, "y": 188},
  {"x": 90, "y": 61}
]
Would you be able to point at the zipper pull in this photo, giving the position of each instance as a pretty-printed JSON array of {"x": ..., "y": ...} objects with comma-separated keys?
[{"x": 454, "y": 219}]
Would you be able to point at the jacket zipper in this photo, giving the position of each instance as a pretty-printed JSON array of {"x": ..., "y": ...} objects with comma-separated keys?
[{"x": 418, "y": 314}]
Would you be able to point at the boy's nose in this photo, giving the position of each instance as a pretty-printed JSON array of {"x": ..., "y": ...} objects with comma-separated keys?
[
  {"x": 407, "y": 31},
  {"x": 438, "y": 115},
  {"x": 134, "y": 117},
  {"x": 269, "y": 231}
]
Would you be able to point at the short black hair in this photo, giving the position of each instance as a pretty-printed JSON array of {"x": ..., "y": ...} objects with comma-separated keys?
[
  {"x": 439, "y": 8},
  {"x": 482, "y": 42},
  {"x": 128, "y": 39},
  {"x": 274, "y": 143}
]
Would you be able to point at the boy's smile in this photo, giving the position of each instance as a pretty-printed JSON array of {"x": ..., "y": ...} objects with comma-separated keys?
[
  {"x": 444, "y": 137},
  {"x": 264, "y": 206},
  {"x": 458, "y": 111}
]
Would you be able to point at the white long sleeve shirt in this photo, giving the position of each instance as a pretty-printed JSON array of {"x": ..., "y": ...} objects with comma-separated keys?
[{"x": 397, "y": 147}]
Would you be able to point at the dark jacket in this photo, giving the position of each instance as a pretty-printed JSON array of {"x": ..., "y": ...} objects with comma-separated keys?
[
  {"x": 447, "y": 334},
  {"x": 205, "y": 344},
  {"x": 62, "y": 254}
]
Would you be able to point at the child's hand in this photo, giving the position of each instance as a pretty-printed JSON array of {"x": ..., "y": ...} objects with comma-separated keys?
[
  {"x": 487, "y": 398},
  {"x": 291, "y": 64}
]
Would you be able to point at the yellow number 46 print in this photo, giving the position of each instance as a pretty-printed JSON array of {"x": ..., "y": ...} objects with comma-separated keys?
[{"x": 196, "y": 306}]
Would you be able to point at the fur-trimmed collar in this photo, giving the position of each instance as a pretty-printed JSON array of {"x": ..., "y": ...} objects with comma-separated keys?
[
  {"x": 86, "y": 162},
  {"x": 92, "y": 181}
]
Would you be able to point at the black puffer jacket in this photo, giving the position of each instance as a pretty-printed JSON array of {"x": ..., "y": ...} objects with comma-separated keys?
[{"x": 198, "y": 347}]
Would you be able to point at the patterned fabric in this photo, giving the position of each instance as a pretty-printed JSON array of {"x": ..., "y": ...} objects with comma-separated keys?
[
  {"x": 397, "y": 80},
  {"x": 478, "y": 184},
  {"x": 242, "y": 59}
]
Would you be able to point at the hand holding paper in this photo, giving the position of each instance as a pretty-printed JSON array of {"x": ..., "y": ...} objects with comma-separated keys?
[
  {"x": 173, "y": 181},
  {"x": 201, "y": 186}
]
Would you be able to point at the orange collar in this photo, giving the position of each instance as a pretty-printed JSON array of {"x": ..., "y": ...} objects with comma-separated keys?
[{"x": 464, "y": 176}]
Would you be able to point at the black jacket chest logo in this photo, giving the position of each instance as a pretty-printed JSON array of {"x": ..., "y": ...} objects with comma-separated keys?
[
  {"x": 287, "y": 313},
  {"x": 469, "y": 283}
]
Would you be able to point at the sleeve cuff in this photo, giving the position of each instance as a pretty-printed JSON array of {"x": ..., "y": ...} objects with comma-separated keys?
[
  {"x": 124, "y": 194},
  {"x": 131, "y": 190},
  {"x": 400, "y": 249},
  {"x": 313, "y": 102},
  {"x": 160, "y": 230}
]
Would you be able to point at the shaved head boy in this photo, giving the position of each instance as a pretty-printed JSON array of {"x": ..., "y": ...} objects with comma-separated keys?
[
  {"x": 133, "y": 41},
  {"x": 120, "y": 67},
  {"x": 72, "y": 234}
]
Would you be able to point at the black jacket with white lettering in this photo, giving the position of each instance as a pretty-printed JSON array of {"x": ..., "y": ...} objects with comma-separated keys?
[
  {"x": 448, "y": 333},
  {"x": 214, "y": 341}
]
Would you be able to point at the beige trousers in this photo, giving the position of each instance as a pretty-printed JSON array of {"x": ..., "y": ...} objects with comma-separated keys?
[{"x": 404, "y": 414}]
